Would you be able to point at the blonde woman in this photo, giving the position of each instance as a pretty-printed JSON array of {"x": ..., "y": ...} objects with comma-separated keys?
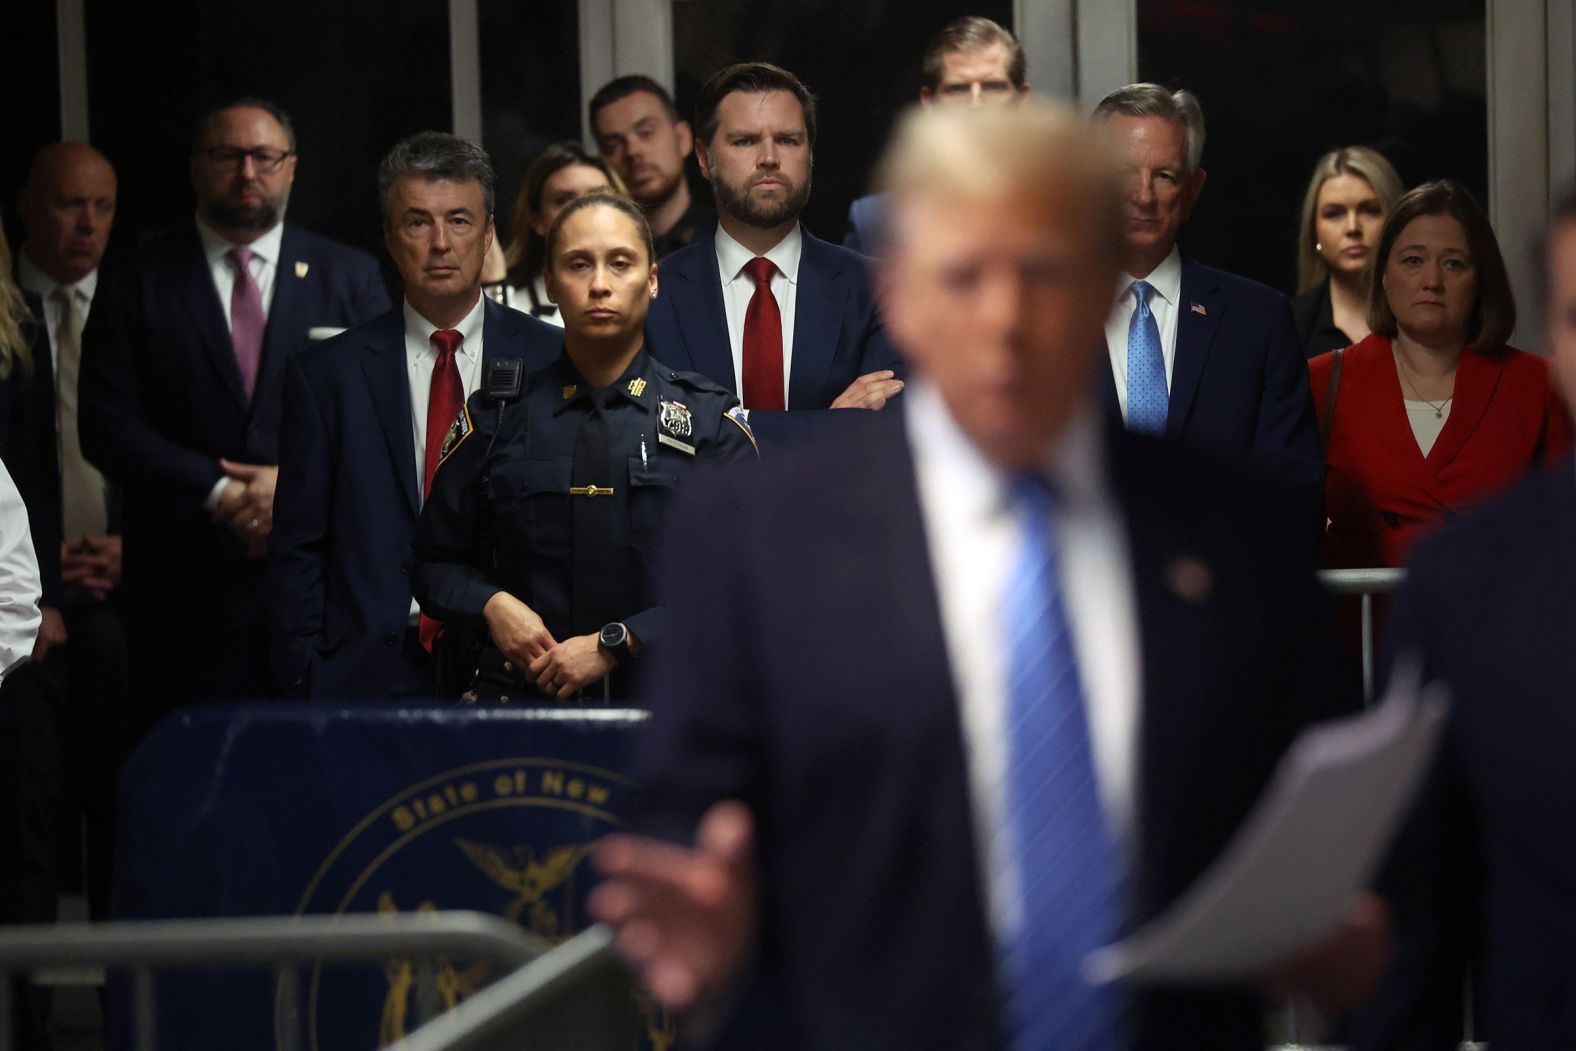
[
  {"x": 1351, "y": 192},
  {"x": 28, "y": 445}
]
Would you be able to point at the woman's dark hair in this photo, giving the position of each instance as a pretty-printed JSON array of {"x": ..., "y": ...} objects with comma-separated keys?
[
  {"x": 526, "y": 253},
  {"x": 614, "y": 201},
  {"x": 1493, "y": 316}
]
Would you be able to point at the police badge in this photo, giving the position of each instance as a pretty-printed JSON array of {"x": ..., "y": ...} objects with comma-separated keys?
[
  {"x": 674, "y": 424},
  {"x": 459, "y": 430}
]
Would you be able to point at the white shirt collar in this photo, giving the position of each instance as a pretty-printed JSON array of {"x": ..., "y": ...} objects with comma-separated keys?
[
  {"x": 1076, "y": 467},
  {"x": 785, "y": 254},
  {"x": 42, "y": 285},
  {"x": 215, "y": 246},
  {"x": 1165, "y": 279},
  {"x": 469, "y": 328}
]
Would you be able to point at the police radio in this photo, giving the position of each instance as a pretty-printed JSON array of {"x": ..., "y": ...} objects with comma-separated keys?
[{"x": 501, "y": 382}]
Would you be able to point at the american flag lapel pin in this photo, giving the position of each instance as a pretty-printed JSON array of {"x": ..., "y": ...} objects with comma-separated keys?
[{"x": 1198, "y": 308}]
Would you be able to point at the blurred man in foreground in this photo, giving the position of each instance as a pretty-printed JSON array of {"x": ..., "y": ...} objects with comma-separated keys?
[{"x": 948, "y": 707}]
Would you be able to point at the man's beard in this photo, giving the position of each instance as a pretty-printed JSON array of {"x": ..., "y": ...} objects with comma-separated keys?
[
  {"x": 737, "y": 202},
  {"x": 253, "y": 218}
]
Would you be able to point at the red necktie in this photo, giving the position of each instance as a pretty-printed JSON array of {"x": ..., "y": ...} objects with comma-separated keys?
[
  {"x": 763, "y": 341},
  {"x": 445, "y": 398}
]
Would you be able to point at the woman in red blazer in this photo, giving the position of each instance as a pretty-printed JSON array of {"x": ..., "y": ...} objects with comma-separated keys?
[{"x": 1433, "y": 411}]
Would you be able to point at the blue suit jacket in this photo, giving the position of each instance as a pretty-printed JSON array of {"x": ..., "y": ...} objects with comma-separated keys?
[
  {"x": 806, "y": 674},
  {"x": 349, "y": 492},
  {"x": 1486, "y": 867},
  {"x": 1239, "y": 383},
  {"x": 162, "y": 401},
  {"x": 866, "y": 233},
  {"x": 837, "y": 337}
]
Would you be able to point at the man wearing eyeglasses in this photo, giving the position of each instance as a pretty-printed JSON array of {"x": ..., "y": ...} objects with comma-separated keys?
[{"x": 182, "y": 369}]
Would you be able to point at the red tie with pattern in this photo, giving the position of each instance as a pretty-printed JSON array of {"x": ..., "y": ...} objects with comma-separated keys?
[
  {"x": 763, "y": 341},
  {"x": 445, "y": 399}
]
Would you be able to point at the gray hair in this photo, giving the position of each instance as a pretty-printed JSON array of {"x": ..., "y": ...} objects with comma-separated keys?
[
  {"x": 1151, "y": 100},
  {"x": 436, "y": 155}
]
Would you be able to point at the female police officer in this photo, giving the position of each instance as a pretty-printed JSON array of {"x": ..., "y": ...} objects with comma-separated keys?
[{"x": 538, "y": 534}]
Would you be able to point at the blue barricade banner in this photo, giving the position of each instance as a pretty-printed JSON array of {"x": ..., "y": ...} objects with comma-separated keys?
[{"x": 292, "y": 809}]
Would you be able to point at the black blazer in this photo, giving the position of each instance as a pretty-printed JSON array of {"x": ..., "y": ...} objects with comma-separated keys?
[
  {"x": 31, "y": 452},
  {"x": 806, "y": 674},
  {"x": 1239, "y": 384},
  {"x": 339, "y": 591},
  {"x": 162, "y": 401},
  {"x": 1486, "y": 867},
  {"x": 837, "y": 335}
]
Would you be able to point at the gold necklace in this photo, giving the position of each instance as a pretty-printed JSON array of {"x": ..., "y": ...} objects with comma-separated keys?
[{"x": 1438, "y": 407}]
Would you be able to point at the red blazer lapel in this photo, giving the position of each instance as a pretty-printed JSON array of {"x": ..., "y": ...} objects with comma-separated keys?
[{"x": 1477, "y": 377}]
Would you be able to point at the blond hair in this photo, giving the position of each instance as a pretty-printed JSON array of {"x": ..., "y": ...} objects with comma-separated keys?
[
  {"x": 1367, "y": 164},
  {"x": 1038, "y": 145},
  {"x": 16, "y": 320}
]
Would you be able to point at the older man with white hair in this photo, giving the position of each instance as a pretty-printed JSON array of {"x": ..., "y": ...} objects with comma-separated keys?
[{"x": 1196, "y": 354}]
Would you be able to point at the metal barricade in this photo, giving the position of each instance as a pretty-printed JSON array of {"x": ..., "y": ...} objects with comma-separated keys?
[
  {"x": 281, "y": 943},
  {"x": 1365, "y": 583}
]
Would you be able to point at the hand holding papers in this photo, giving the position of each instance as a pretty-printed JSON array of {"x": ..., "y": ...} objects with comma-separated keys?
[{"x": 1309, "y": 846}]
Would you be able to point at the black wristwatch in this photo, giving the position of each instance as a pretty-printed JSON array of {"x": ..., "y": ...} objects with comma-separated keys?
[{"x": 615, "y": 639}]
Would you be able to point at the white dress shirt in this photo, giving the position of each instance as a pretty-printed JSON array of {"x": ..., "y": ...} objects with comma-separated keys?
[
  {"x": 264, "y": 264},
  {"x": 20, "y": 591},
  {"x": 737, "y": 288},
  {"x": 1164, "y": 304},
  {"x": 972, "y": 532},
  {"x": 43, "y": 286},
  {"x": 1427, "y": 422}
]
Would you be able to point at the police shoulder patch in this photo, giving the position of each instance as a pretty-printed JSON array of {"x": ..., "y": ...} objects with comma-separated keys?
[
  {"x": 459, "y": 430},
  {"x": 741, "y": 419}
]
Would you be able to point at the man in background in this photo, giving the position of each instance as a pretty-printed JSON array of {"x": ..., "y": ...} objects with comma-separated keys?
[
  {"x": 68, "y": 210},
  {"x": 365, "y": 417},
  {"x": 763, "y": 307},
  {"x": 638, "y": 130},
  {"x": 183, "y": 362},
  {"x": 972, "y": 62},
  {"x": 1196, "y": 354}
]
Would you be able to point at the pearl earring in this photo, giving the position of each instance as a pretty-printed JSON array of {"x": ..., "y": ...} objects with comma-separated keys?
[{"x": 1318, "y": 246}]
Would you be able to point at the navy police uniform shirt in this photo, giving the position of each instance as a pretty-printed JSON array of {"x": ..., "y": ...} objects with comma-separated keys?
[{"x": 557, "y": 497}]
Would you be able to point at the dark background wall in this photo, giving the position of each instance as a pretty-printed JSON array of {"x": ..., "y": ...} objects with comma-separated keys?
[
  {"x": 1280, "y": 84},
  {"x": 1283, "y": 83}
]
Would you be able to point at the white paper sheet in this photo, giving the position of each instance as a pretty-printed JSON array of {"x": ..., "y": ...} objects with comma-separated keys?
[{"x": 1311, "y": 842}]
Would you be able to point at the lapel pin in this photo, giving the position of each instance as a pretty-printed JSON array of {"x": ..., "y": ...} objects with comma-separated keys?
[
  {"x": 302, "y": 268},
  {"x": 1189, "y": 579},
  {"x": 1198, "y": 308}
]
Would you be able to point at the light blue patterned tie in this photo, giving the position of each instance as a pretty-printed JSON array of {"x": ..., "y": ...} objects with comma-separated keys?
[
  {"x": 1068, "y": 866},
  {"x": 1147, "y": 397}
]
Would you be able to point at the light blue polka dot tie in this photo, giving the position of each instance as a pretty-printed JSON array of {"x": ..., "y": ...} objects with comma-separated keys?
[
  {"x": 1069, "y": 870},
  {"x": 1147, "y": 397}
]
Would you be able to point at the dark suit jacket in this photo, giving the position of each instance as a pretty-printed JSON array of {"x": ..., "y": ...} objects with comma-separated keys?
[
  {"x": 162, "y": 401},
  {"x": 31, "y": 453},
  {"x": 1381, "y": 493},
  {"x": 806, "y": 674},
  {"x": 349, "y": 492},
  {"x": 1489, "y": 609},
  {"x": 1239, "y": 384},
  {"x": 866, "y": 233},
  {"x": 837, "y": 333}
]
